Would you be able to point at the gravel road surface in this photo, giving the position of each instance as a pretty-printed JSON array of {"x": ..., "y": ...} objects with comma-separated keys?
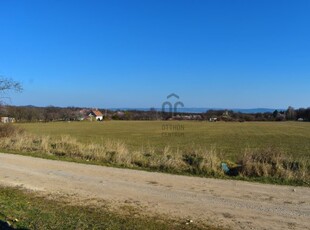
[{"x": 229, "y": 203}]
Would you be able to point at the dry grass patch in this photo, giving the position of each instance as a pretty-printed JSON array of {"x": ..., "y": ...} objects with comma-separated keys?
[
  {"x": 8, "y": 130},
  {"x": 271, "y": 162}
]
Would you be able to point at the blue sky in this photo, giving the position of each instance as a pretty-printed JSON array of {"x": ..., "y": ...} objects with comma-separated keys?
[{"x": 224, "y": 54}]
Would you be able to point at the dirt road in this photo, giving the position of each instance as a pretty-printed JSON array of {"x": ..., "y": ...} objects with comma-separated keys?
[{"x": 234, "y": 204}]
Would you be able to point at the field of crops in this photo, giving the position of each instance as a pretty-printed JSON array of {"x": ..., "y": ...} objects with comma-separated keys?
[{"x": 229, "y": 138}]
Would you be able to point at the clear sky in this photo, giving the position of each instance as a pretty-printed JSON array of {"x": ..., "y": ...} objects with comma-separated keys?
[{"x": 219, "y": 53}]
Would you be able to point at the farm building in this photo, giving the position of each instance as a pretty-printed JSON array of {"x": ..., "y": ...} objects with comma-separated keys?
[
  {"x": 213, "y": 119},
  {"x": 96, "y": 114},
  {"x": 7, "y": 120}
]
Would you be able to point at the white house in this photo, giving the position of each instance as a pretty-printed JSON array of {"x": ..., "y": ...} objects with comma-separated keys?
[
  {"x": 213, "y": 119},
  {"x": 7, "y": 120},
  {"x": 96, "y": 114}
]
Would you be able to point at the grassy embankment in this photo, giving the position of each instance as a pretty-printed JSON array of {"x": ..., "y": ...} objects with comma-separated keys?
[{"x": 269, "y": 152}]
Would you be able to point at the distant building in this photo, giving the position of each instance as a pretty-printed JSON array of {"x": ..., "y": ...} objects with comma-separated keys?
[
  {"x": 214, "y": 119},
  {"x": 186, "y": 117},
  {"x": 7, "y": 120},
  {"x": 96, "y": 114}
]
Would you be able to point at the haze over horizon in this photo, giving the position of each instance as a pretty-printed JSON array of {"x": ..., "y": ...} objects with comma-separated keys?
[{"x": 132, "y": 54}]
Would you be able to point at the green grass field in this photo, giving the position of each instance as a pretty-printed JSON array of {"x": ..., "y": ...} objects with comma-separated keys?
[{"x": 229, "y": 138}]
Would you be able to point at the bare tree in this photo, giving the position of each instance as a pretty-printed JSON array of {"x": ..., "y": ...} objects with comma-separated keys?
[
  {"x": 8, "y": 85},
  {"x": 291, "y": 113}
]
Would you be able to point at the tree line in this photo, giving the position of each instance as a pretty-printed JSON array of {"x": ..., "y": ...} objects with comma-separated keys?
[{"x": 52, "y": 113}]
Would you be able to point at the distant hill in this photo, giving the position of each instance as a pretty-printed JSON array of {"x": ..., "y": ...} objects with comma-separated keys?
[{"x": 258, "y": 110}]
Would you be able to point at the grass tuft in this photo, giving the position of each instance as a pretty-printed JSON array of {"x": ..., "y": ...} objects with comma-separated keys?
[{"x": 272, "y": 162}]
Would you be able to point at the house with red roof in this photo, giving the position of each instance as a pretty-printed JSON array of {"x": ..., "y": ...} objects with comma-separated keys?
[{"x": 96, "y": 114}]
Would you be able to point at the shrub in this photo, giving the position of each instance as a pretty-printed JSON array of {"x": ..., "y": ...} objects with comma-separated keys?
[
  {"x": 8, "y": 130},
  {"x": 271, "y": 162}
]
